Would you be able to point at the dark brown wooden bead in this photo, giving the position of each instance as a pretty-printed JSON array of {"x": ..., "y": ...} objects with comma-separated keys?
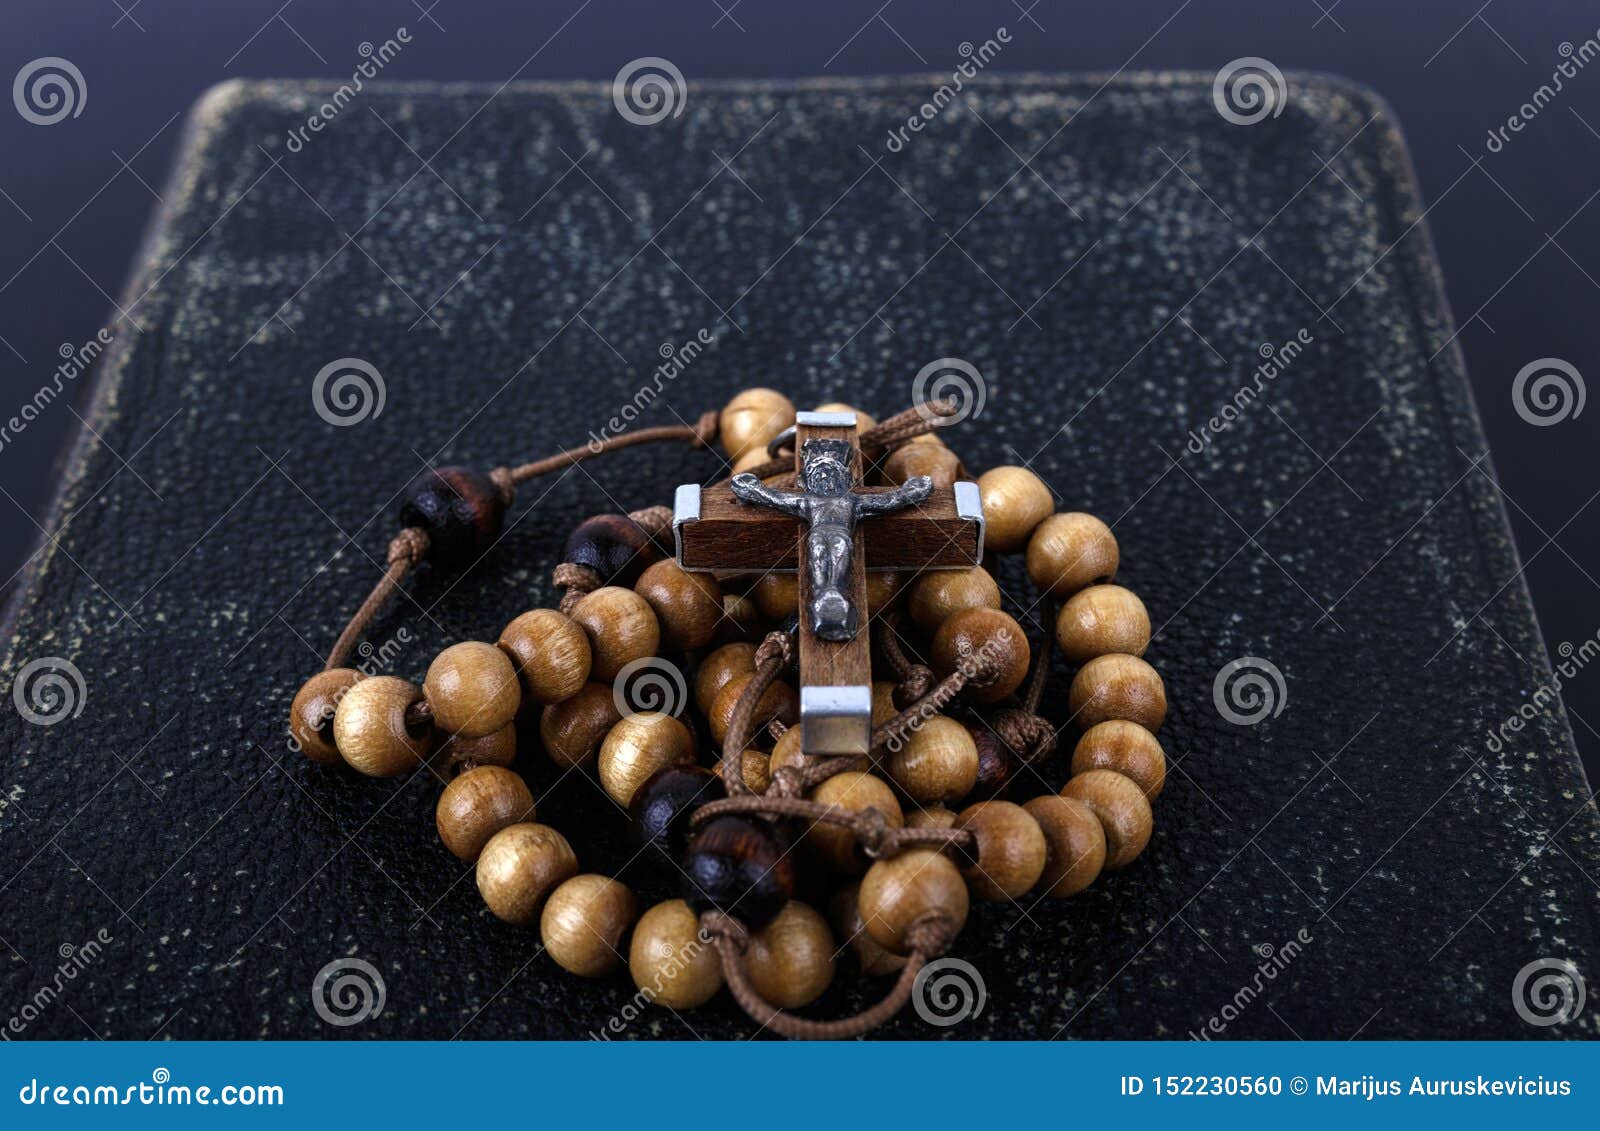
[
  {"x": 497, "y": 749},
  {"x": 777, "y": 595},
  {"x": 741, "y": 866},
  {"x": 461, "y": 509},
  {"x": 612, "y": 545},
  {"x": 311, "y": 713},
  {"x": 573, "y": 729},
  {"x": 658, "y": 817},
  {"x": 779, "y": 701},
  {"x": 983, "y": 640},
  {"x": 478, "y": 804},
  {"x": 718, "y": 668},
  {"x": 688, "y": 605},
  {"x": 1117, "y": 687},
  {"x": 996, "y": 762},
  {"x": 1128, "y": 749},
  {"x": 741, "y": 619}
]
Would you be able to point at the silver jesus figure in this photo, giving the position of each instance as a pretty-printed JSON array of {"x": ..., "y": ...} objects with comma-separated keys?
[{"x": 830, "y": 509}]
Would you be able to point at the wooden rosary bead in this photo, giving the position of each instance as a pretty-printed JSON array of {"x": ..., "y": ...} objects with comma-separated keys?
[
  {"x": 939, "y": 594},
  {"x": 752, "y": 419},
  {"x": 844, "y": 912},
  {"x": 478, "y": 804},
  {"x": 777, "y": 595},
  {"x": 786, "y": 752},
  {"x": 311, "y": 713},
  {"x": 658, "y": 817},
  {"x": 1015, "y": 502},
  {"x": 583, "y": 923},
  {"x": 621, "y": 627},
  {"x": 741, "y": 866},
  {"x": 898, "y": 892},
  {"x": 741, "y": 619},
  {"x": 550, "y": 652},
  {"x": 520, "y": 865},
  {"x": 996, "y": 762},
  {"x": 718, "y": 668},
  {"x": 497, "y": 749},
  {"x": 687, "y": 605},
  {"x": 864, "y": 421},
  {"x": 855, "y": 792},
  {"x": 1117, "y": 687},
  {"x": 790, "y": 961},
  {"x": 1128, "y": 749},
  {"x": 369, "y": 727},
  {"x": 1122, "y": 808},
  {"x": 461, "y": 509},
  {"x": 1010, "y": 851},
  {"x": 671, "y": 962},
  {"x": 882, "y": 587},
  {"x": 751, "y": 460},
  {"x": 935, "y": 461},
  {"x": 1069, "y": 551},
  {"x": 637, "y": 747},
  {"x": 983, "y": 640},
  {"x": 936, "y": 762},
  {"x": 612, "y": 545},
  {"x": 1100, "y": 620},
  {"x": 883, "y": 708},
  {"x": 931, "y": 817},
  {"x": 756, "y": 769},
  {"x": 573, "y": 729},
  {"x": 1075, "y": 844},
  {"x": 472, "y": 689},
  {"x": 779, "y": 701}
]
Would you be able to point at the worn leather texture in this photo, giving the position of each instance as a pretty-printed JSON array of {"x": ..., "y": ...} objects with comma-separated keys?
[{"x": 1111, "y": 256}]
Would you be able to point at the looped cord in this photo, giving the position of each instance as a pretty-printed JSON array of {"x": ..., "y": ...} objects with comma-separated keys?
[
  {"x": 505, "y": 484},
  {"x": 407, "y": 550},
  {"x": 575, "y": 580},
  {"x": 773, "y": 657},
  {"x": 705, "y": 429},
  {"x": 1029, "y": 735}
]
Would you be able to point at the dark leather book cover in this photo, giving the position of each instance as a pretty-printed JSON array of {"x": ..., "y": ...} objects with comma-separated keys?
[{"x": 1228, "y": 339}]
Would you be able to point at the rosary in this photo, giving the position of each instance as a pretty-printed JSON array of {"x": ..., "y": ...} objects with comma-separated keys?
[{"x": 830, "y": 627}]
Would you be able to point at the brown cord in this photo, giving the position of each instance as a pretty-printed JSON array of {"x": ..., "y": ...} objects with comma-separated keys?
[
  {"x": 575, "y": 581},
  {"x": 773, "y": 657},
  {"x": 899, "y": 429},
  {"x": 933, "y": 702},
  {"x": 699, "y": 435},
  {"x": 868, "y": 827},
  {"x": 406, "y": 550}
]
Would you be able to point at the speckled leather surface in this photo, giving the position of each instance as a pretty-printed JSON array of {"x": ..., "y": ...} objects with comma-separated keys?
[{"x": 1112, "y": 302}]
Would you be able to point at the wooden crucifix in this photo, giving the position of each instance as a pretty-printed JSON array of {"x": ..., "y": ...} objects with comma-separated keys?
[{"x": 832, "y": 530}]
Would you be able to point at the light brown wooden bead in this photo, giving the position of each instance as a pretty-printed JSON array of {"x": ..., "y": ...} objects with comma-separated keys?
[
  {"x": 550, "y": 652},
  {"x": 1015, "y": 502},
  {"x": 940, "y": 594},
  {"x": 786, "y": 752},
  {"x": 741, "y": 619},
  {"x": 898, "y": 891},
  {"x": 573, "y": 729},
  {"x": 844, "y": 913},
  {"x": 855, "y": 792},
  {"x": 986, "y": 640},
  {"x": 1123, "y": 810},
  {"x": 637, "y": 747},
  {"x": 497, "y": 749},
  {"x": 883, "y": 708},
  {"x": 930, "y": 817},
  {"x": 882, "y": 588},
  {"x": 718, "y": 668},
  {"x": 671, "y": 964},
  {"x": 789, "y": 962},
  {"x": 779, "y": 701},
  {"x": 935, "y": 461},
  {"x": 478, "y": 804},
  {"x": 864, "y": 421},
  {"x": 1117, "y": 687},
  {"x": 755, "y": 769},
  {"x": 1075, "y": 844},
  {"x": 687, "y": 605},
  {"x": 1128, "y": 749},
  {"x": 520, "y": 866},
  {"x": 1100, "y": 620},
  {"x": 621, "y": 627},
  {"x": 936, "y": 762},
  {"x": 751, "y": 460},
  {"x": 1010, "y": 850},
  {"x": 777, "y": 595},
  {"x": 752, "y": 419},
  {"x": 583, "y": 923},
  {"x": 369, "y": 727},
  {"x": 472, "y": 689},
  {"x": 311, "y": 713},
  {"x": 1069, "y": 551}
]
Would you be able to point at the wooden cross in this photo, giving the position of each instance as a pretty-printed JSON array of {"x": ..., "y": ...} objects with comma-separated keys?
[{"x": 716, "y": 530}]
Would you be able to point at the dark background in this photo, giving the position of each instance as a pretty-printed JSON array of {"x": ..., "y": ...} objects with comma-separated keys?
[{"x": 1518, "y": 238}]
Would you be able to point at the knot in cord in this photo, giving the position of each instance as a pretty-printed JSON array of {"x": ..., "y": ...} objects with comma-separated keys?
[
  {"x": 1028, "y": 734},
  {"x": 409, "y": 546},
  {"x": 577, "y": 580},
  {"x": 871, "y": 829},
  {"x": 776, "y": 646},
  {"x": 787, "y": 781},
  {"x": 930, "y": 935},
  {"x": 917, "y": 682},
  {"x": 721, "y": 925},
  {"x": 505, "y": 483}
]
